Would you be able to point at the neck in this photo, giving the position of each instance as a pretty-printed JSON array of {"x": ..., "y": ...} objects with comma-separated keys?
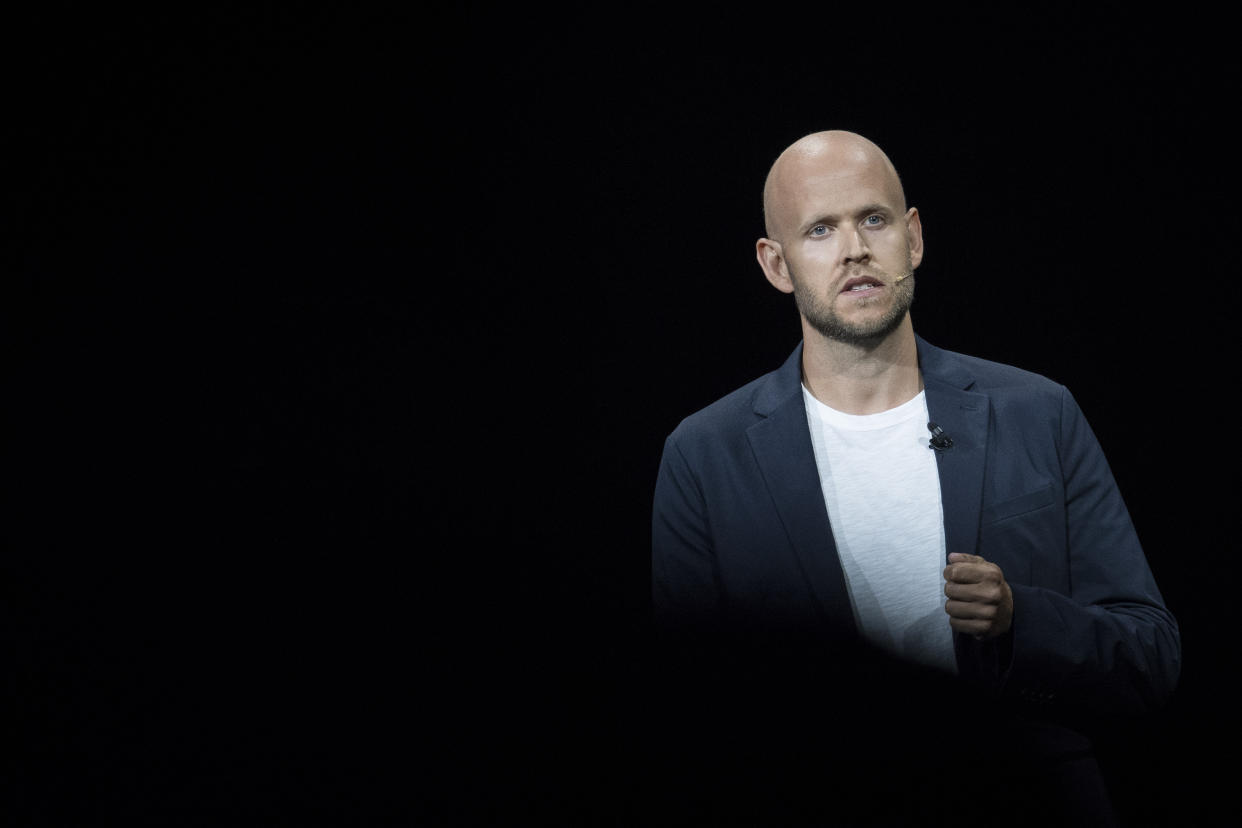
[{"x": 862, "y": 379}]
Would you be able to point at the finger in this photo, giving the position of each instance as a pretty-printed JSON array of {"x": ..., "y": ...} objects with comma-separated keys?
[
  {"x": 970, "y": 611},
  {"x": 972, "y": 573},
  {"x": 962, "y": 573},
  {"x": 962, "y": 557},
  {"x": 988, "y": 592}
]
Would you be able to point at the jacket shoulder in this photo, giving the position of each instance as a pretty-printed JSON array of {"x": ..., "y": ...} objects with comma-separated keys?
[
  {"x": 730, "y": 415},
  {"x": 990, "y": 376}
]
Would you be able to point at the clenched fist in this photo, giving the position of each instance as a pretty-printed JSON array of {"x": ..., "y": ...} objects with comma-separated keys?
[{"x": 980, "y": 602}]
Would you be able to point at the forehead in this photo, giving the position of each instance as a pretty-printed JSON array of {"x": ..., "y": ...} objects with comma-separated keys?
[
  {"x": 842, "y": 191},
  {"x": 817, "y": 184}
]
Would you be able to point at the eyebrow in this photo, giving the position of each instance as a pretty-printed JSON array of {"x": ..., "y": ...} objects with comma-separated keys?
[{"x": 865, "y": 210}]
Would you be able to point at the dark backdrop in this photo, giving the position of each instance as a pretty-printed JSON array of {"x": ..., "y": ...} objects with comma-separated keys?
[{"x": 343, "y": 345}]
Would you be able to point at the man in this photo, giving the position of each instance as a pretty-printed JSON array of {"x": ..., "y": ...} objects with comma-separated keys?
[{"x": 876, "y": 494}]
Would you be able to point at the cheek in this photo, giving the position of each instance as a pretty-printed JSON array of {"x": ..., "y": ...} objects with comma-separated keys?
[
  {"x": 895, "y": 250},
  {"x": 818, "y": 256}
]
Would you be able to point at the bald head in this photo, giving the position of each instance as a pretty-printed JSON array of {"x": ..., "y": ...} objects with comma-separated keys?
[{"x": 830, "y": 159}]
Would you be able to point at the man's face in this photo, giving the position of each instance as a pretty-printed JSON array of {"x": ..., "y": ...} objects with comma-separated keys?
[{"x": 846, "y": 241}]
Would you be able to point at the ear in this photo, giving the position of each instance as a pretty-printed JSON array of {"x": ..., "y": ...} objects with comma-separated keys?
[
  {"x": 772, "y": 259},
  {"x": 914, "y": 236}
]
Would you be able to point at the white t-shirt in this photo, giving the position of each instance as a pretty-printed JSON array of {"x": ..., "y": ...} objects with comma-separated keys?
[{"x": 882, "y": 490}]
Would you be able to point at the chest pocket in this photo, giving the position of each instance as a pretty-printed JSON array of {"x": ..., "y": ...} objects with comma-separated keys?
[
  {"x": 1025, "y": 537},
  {"x": 1016, "y": 506}
]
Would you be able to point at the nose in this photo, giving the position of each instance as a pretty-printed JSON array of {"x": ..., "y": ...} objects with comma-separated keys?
[{"x": 854, "y": 246}]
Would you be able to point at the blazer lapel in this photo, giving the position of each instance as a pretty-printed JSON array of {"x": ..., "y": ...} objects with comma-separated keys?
[
  {"x": 962, "y": 415},
  {"x": 782, "y": 446}
]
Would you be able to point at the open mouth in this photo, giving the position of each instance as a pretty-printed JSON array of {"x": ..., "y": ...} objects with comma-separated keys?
[{"x": 862, "y": 285}]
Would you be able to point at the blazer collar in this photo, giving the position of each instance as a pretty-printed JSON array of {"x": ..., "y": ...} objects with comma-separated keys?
[
  {"x": 783, "y": 383},
  {"x": 943, "y": 367}
]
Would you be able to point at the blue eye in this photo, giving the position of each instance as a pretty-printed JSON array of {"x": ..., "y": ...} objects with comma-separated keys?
[
  {"x": 873, "y": 220},
  {"x": 819, "y": 230}
]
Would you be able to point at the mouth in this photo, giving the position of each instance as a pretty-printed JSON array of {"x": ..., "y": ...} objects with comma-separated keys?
[{"x": 862, "y": 286}]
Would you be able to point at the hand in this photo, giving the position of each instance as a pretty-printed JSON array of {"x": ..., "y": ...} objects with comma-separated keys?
[{"x": 980, "y": 602}]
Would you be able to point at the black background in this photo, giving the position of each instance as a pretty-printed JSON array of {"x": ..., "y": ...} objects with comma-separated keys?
[{"x": 343, "y": 345}]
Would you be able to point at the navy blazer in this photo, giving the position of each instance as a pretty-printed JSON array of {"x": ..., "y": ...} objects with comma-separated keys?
[{"x": 741, "y": 538}]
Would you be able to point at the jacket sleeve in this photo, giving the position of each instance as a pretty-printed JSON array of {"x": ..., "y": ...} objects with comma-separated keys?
[
  {"x": 1110, "y": 645},
  {"x": 683, "y": 574}
]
